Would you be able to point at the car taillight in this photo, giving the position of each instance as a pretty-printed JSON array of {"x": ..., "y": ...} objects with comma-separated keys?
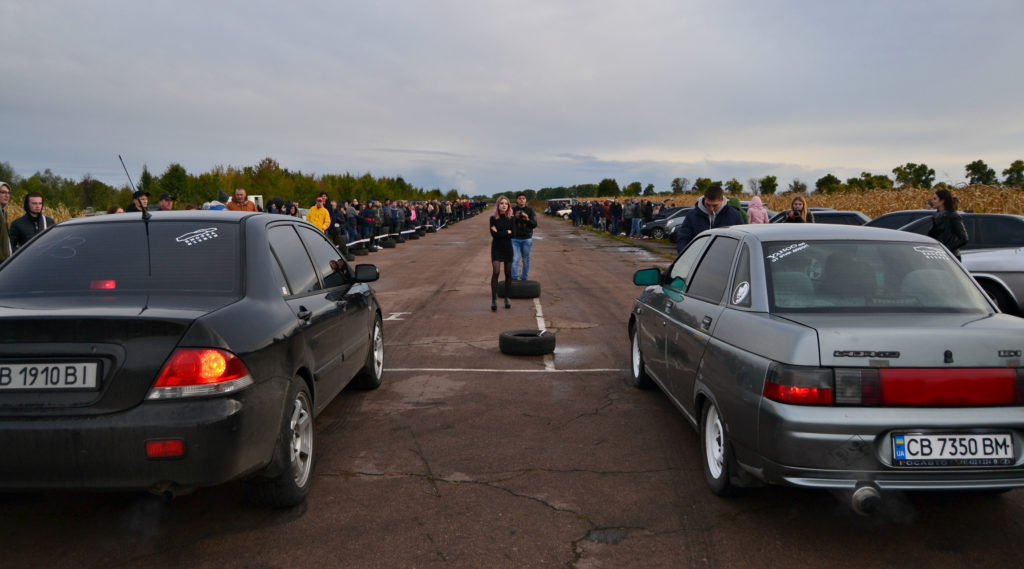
[
  {"x": 799, "y": 385},
  {"x": 917, "y": 387},
  {"x": 945, "y": 387},
  {"x": 200, "y": 371},
  {"x": 103, "y": 284}
]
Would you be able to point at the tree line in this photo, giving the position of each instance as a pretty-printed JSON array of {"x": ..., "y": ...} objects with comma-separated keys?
[
  {"x": 266, "y": 178},
  {"x": 909, "y": 175}
]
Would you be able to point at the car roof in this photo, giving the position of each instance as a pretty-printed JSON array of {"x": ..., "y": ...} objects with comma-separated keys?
[
  {"x": 156, "y": 216},
  {"x": 813, "y": 231}
]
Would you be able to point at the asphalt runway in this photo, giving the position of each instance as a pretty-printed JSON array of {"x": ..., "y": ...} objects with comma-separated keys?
[{"x": 466, "y": 457}]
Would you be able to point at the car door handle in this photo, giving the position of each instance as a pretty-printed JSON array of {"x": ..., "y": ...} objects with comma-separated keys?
[
  {"x": 705, "y": 323},
  {"x": 304, "y": 314}
]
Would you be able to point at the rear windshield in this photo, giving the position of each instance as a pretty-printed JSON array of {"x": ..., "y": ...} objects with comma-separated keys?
[
  {"x": 867, "y": 276},
  {"x": 179, "y": 257}
]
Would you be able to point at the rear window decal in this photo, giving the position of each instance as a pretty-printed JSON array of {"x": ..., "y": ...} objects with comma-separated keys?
[
  {"x": 787, "y": 251},
  {"x": 741, "y": 292},
  {"x": 198, "y": 236},
  {"x": 933, "y": 253}
]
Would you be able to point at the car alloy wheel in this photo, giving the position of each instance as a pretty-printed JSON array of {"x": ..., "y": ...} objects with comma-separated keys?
[{"x": 301, "y": 446}]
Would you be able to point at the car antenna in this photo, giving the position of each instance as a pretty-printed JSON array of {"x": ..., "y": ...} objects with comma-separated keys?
[
  {"x": 145, "y": 218},
  {"x": 145, "y": 211}
]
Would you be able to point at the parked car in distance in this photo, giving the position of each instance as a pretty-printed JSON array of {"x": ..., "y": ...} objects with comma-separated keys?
[
  {"x": 831, "y": 216},
  {"x": 984, "y": 230},
  {"x": 1001, "y": 273},
  {"x": 184, "y": 350},
  {"x": 849, "y": 358},
  {"x": 659, "y": 228},
  {"x": 897, "y": 219}
]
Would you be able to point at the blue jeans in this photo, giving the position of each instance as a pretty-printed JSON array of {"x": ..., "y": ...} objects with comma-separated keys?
[
  {"x": 521, "y": 250},
  {"x": 637, "y": 224}
]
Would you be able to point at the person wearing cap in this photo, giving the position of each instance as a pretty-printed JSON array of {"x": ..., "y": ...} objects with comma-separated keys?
[
  {"x": 319, "y": 215},
  {"x": 166, "y": 202},
  {"x": 5, "y": 235},
  {"x": 241, "y": 202},
  {"x": 140, "y": 201}
]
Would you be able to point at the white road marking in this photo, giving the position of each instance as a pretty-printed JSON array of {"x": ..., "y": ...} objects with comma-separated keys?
[
  {"x": 395, "y": 316},
  {"x": 549, "y": 359}
]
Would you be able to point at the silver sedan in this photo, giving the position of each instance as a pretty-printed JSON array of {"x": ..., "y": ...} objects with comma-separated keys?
[{"x": 847, "y": 358}]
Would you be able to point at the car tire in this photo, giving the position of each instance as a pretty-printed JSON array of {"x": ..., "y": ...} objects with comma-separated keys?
[
  {"x": 350, "y": 257},
  {"x": 638, "y": 377},
  {"x": 1000, "y": 297},
  {"x": 715, "y": 451},
  {"x": 657, "y": 233},
  {"x": 359, "y": 251},
  {"x": 431, "y": 229},
  {"x": 399, "y": 239},
  {"x": 388, "y": 243},
  {"x": 286, "y": 480},
  {"x": 369, "y": 377},
  {"x": 413, "y": 235},
  {"x": 526, "y": 342},
  {"x": 520, "y": 289},
  {"x": 566, "y": 217}
]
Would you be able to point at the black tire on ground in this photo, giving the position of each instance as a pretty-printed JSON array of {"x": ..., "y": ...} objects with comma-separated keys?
[
  {"x": 431, "y": 229},
  {"x": 285, "y": 481},
  {"x": 387, "y": 243},
  {"x": 520, "y": 289},
  {"x": 526, "y": 342},
  {"x": 638, "y": 375},
  {"x": 421, "y": 232},
  {"x": 350, "y": 257},
  {"x": 657, "y": 233},
  {"x": 369, "y": 376},
  {"x": 359, "y": 251},
  {"x": 412, "y": 235},
  {"x": 399, "y": 239}
]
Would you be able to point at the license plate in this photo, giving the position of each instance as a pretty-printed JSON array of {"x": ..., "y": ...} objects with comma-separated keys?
[
  {"x": 995, "y": 449},
  {"x": 55, "y": 376}
]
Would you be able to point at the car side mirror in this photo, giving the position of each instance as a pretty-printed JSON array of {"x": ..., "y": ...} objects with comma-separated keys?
[
  {"x": 677, "y": 283},
  {"x": 647, "y": 277},
  {"x": 366, "y": 273}
]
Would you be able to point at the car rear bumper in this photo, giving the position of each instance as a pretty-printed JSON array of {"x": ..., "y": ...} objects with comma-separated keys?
[
  {"x": 224, "y": 438},
  {"x": 836, "y": 447}
]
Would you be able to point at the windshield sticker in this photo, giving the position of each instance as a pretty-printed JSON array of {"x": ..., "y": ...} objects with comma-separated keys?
[
  {"x": 198, "y": 236},
  {"x": 787, "y": 251},
  {"x": 741, "y": 292},
  {"x": 933, "y": 253}
]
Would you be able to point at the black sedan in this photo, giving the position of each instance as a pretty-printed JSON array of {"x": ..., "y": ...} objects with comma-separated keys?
[{"x": 182, "y": 350}]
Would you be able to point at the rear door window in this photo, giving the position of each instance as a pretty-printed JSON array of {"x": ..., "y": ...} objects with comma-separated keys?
[
  {"x": 711, "y": 278},
  {"x": 297, "y": 267}
]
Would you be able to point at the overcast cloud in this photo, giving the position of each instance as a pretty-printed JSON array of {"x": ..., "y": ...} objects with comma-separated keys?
[{"x": 486, "y": 96}]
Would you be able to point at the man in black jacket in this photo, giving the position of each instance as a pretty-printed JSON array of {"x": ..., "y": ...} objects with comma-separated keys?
[
  {"x": 711, "y": 211},
  {"x": 524, "y": 221},
  {"x": 26, "y": 226}
]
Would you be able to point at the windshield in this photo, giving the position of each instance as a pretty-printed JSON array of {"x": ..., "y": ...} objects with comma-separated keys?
[
  {"x": 867, "y": 276},
  {"x": 183, "y": 257}
]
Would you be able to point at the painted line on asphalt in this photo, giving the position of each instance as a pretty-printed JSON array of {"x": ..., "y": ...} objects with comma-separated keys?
[
  {"x": 479, "y": 370},
  {"x": 549, "y": 359}
]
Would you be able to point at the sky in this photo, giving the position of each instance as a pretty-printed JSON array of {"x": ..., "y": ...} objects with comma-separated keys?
[{"x": 486, "y": 96}]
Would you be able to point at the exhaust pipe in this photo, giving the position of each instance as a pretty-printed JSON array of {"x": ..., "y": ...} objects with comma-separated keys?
[
  {"x": 167, "y": 491},
  {"x": 866, "y": 500}
]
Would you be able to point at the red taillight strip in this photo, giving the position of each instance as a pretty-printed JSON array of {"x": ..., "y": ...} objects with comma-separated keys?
[{"x": 962, "y": 387}]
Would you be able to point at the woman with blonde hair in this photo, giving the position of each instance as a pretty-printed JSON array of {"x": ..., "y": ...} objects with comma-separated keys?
[
  {"x": 798, "y": 211},
  {"x": 501, "y": 249}
]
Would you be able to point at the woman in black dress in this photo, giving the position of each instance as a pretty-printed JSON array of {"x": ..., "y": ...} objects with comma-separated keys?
[{"x": 501, "y": 249}]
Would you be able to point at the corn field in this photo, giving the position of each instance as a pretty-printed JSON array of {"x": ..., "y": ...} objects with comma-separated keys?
[{"x": 980, "y": 199}]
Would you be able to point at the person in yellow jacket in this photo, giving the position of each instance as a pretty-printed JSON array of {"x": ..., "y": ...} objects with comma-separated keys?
[{"x": 319, "y": 215}]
